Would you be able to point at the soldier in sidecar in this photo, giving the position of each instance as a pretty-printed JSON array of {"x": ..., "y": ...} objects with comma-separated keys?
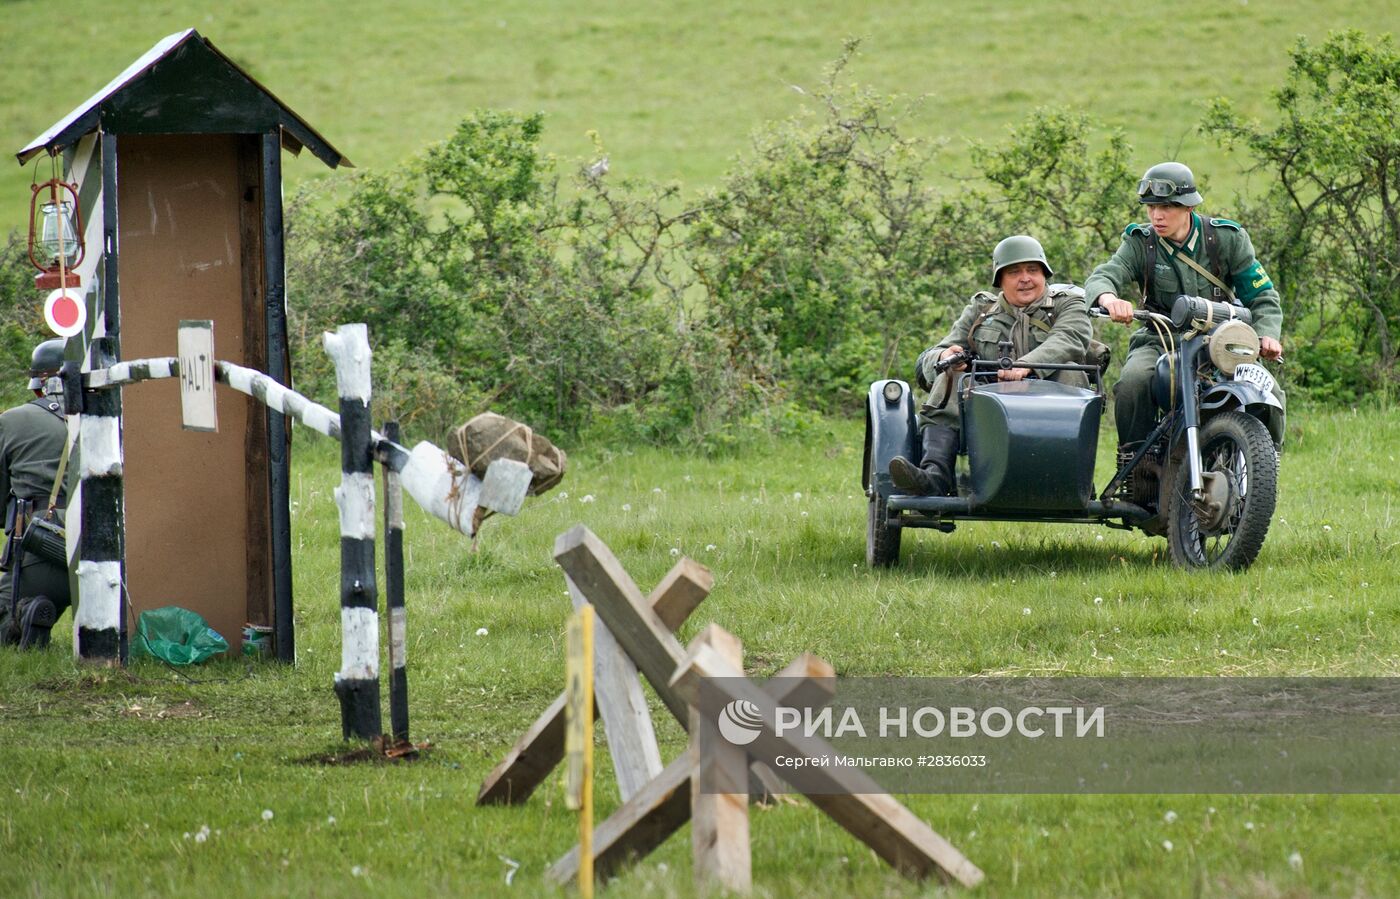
[{"x": 1031, "y": 321}]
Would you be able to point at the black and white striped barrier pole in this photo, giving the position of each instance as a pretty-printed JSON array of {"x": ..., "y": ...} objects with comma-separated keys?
[
  {"x": 357, "y": 683},
  {"x": 439, "y": 483},
  {"x": 97, "y": 616},
  {"x": 393, "y": 588}
]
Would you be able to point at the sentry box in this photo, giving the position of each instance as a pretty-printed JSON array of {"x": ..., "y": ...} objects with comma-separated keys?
[{"x": 177, "y": 166}]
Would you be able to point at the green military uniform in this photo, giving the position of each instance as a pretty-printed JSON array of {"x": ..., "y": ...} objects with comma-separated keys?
[
  {"x": 31, "y": 442},
  {"x": 1237, "y": 267},
  {"x": 1053, "y": 330}
]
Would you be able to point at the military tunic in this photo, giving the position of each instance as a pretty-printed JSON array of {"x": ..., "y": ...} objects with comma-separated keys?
[
  {"x": 1052, "y": 330},
  {"x": 1172, "y": 277},
  {"x": 31, "y": 442},
  {"x": 1134, "y": 410}
]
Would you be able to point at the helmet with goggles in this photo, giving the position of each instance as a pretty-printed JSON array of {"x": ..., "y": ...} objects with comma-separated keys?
[{"x": 1168, "y": 183}]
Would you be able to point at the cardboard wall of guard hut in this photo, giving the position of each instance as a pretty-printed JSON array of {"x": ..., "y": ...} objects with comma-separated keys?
[{"x": 197, "y": 522}]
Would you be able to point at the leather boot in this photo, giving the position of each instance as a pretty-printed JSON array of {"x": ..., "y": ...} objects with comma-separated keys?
[
  {"x": 935, "y": 475},
  {"x": 36, "y": 620}
]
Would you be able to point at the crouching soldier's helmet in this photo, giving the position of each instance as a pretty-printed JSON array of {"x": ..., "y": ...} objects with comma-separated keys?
[
  {"x": 46, "y": 362},
  {"x": 1014, "y": 249},
  {"x": 1168, "y": 183}
]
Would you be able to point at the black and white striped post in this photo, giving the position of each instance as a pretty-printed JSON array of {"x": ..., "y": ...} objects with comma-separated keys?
[
  {"x": 97, "y": 617},
  {"x": 393, "y": 587},
  {"x": 357, "y": 683}
]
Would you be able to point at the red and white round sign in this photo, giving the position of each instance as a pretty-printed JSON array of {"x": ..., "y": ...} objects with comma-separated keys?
[{"x": 65, "y": 312}]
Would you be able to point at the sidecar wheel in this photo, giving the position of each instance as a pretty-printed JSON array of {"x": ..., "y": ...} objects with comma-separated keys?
[
  {"x": 1241, "y": 467},
  {"x": 881, "y": 540}
]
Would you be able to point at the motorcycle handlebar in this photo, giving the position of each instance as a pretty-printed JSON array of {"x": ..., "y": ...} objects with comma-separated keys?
[
  {"x": 956, "y": 359},
  {"x": 1141, "y": 315}
]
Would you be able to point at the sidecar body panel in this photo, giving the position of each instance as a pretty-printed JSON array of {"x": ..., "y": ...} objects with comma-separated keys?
[{"x": 1031, "y": 446}]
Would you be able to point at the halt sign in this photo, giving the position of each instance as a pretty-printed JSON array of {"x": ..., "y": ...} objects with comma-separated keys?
[
  {"x": 65, "y": 313},
  {"x": 195, "y": 347}
]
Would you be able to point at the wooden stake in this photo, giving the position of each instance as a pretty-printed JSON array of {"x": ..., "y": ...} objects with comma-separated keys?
[
  {"x": 578, "y": 715},
  {"x": 719, "y": 792},
  {"x": 622, "y": 705}
]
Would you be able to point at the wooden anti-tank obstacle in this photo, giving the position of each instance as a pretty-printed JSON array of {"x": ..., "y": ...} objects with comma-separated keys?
[{"x": 642, "y": 628}]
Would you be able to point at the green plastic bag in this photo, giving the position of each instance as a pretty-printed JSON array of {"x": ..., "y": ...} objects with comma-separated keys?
[{"x": 176, "y": 635}]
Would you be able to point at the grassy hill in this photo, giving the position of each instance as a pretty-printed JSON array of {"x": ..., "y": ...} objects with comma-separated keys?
[{"x": 674, "y": 88}]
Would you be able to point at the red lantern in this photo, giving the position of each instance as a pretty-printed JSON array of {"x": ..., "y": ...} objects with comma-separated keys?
[{"x": 55, "y": 235}]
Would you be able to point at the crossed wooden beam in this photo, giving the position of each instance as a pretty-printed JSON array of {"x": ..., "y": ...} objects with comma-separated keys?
[{"x": 656, "y": 804}]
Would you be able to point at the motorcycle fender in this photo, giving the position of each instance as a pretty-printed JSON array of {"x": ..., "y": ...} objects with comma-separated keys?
[
  {"x": 1262, "y": 405},
  {"x": 891, "y": 429}
]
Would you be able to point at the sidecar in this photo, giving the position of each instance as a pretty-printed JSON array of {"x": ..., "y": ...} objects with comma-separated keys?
[{"x": 1029, "y": 448}]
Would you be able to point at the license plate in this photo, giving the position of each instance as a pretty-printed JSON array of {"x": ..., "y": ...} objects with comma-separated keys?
[{"x": 1257, "y": 375}]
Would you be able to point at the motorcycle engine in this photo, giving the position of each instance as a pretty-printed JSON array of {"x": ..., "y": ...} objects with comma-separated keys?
[{"x": 1144, "y": 487}]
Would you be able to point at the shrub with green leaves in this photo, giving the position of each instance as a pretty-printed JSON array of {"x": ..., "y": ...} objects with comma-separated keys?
[
  {"x": 822, "y": 256},
  {"x": 1332, "y": 205},
  {"x": 485, "y": 286}
]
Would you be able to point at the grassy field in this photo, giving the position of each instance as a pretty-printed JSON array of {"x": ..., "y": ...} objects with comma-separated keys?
[
  {"x": 675, "y": 88},
  {"x": 145, "y": 782}
]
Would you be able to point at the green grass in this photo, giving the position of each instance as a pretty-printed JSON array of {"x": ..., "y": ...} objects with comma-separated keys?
[
  {"x": 675, "y": 88},
  {"x": 103, "y": 773}
]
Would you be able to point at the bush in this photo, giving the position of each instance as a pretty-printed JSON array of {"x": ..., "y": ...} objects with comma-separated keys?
[
  {"x": 21, "y": 319},
  {"x": 480, "y": 286},
  {"x": 823, "y": 252},
  {"x": 1332, "y": 234}
]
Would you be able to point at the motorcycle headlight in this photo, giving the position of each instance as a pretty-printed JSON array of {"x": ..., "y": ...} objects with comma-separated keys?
[
  {"x": 1232, "y": 344},
  {"x": 893, "y": 392}
]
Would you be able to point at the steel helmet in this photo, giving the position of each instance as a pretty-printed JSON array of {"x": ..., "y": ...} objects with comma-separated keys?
[
  {"x": 1014, "y": 249},
  {"x": 1168, "y": 183},
  {"x": 46, "y": 361}
]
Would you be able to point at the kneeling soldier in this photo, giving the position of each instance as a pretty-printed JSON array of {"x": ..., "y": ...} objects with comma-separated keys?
[
  {"x": 1045, "y": 323},
  {"x": 33, "y": 590}
]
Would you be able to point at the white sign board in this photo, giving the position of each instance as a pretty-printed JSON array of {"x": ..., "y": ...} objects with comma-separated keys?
[{"x": 196, "y": 351}]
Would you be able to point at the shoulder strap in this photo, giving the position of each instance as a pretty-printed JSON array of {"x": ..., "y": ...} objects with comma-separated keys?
[
  {"x": 48, "y": 405},
  {"x": 1149, "y": 268},
  {"x": 1222, "y": 292},
  {"x": 987, "y": 307},
  {"x": 1211, "y": 244},
  {"x": 1048, "y": 323},
  {"x": 58, "y": 477}
]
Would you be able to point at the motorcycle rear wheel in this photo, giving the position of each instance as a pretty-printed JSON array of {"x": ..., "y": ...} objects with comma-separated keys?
[{"x": 1237, "y": 449}]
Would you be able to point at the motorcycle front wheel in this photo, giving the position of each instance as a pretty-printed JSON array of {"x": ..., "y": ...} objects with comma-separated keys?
[
  {"x": 881, "y": 540},
  {"x": 1227, "y": 526}
]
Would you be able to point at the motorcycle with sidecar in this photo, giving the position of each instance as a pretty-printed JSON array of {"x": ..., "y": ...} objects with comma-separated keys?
[{"x": 1206, "y": 477}]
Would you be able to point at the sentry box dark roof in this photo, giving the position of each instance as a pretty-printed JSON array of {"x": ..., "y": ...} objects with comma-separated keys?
[{"x": 184, "y": 85}]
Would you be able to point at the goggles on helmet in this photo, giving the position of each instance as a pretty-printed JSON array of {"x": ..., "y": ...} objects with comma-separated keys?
[{"x": 1161, "y": 187}]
